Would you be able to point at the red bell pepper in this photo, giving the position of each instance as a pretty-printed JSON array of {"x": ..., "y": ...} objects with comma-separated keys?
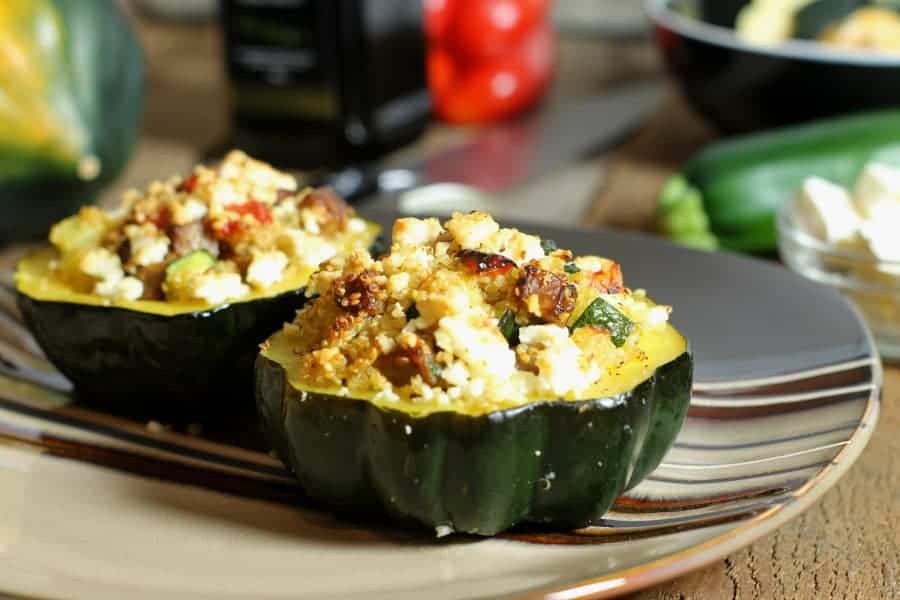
[{"x": 488, "y": 59}]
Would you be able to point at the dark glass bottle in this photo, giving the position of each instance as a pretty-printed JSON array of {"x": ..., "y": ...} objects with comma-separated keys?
[{"x": 322, "y": 83}]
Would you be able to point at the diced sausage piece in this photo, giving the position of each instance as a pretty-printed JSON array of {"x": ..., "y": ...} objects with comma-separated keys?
[
  {"x": 124, "y": 250},
  {"x": 422, "y": 358},
  {"x": 283, "y": 194},
  {"x": 152, "y": 277},
  {"x": 332, "y": 213},
  {"x": 363, "y": 293},
  {"x": 608, "y": 280},
  {"x": 406, "y": 361},
  {"x": 482, "y": 263},
  {"x": 188, "y": 185},
  {"x": 192, "y": 236},
  {"x": 546, "y": 294}
]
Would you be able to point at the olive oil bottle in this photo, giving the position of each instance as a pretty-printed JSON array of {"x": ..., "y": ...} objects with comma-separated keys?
[{"x": 322, "y": 83}]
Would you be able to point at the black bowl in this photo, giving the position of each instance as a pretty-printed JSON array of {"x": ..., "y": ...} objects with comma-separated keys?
[{"x": 742, "y": 87}]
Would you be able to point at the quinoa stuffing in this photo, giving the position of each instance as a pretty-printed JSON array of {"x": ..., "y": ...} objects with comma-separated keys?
[
  {"x": 469, "y": 314},
  {"x": 231, "y": 233}
]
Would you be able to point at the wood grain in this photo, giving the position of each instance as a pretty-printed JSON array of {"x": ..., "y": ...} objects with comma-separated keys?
[{"x": 847, "y": 545}]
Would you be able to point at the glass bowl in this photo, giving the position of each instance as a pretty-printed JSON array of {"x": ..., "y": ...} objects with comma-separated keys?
[{"x": 872, "y": 284}]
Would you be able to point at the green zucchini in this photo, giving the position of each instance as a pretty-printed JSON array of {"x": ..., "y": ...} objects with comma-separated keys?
[
  {"x": 195, "y": 263},
  {"x": 559, "y": 463},
  {"x": 726, "y": 196},
  {"x": 509, "y": 328},
  {"x": 602, "y": 313}
]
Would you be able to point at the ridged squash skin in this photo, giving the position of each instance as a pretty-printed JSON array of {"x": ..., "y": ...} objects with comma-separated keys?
[
  {"x": 558, "y": 463},
  {"x": 153, "y": 366},
  {"x": 72, "y": 77},
  {"x": 147, "y": 363}
]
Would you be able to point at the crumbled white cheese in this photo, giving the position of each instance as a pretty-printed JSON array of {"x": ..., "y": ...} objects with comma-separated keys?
[
  {"x": 309, "y": 250},
  {"x": 520, "y": 247},
  {"x": 870, "y": 220},
  {"x": 592, "y": 263},
  {"x": 416, "y": 232},
  {"x": 877, "y": 191},
  {"x": 446, "y": 301},
  {"x": 656, "y": 316},
  {"x": 130, "y": 288},
  {"x": 557, "y": 359},
  {"x": 127, "y": 288},
  {"x": 386, "y": 394},
  {"x": 386, "y": 343},
  {"x": 456, "y": 374},
  {"x": 441, "y": 250},
  {"x": 469, "y": 230},
  {"x": 148, "y": 245},
  {"x": 309, "y": 221},
  {"x": 223, "y": 193},
  {"x": 101, "y": 264},
  {"x": 475, "y": 388},
  {"x": 188, "y": 211},
  {"x": 882, "y": 239},
  {"x": 398, "y": 283},
  {"x": 284, "y": 211},
  {"x": 266, "y": 268},
  {"x": 483, "y": 349},
  {"x": 397, "y": 311},
  {"x": 356, "y": 225},
  {"x": 767, "y": 22},
  {"x": 826, "y": 211},
  {"x": 215, "y": 288},
  {"x": 543, "y": 334}
]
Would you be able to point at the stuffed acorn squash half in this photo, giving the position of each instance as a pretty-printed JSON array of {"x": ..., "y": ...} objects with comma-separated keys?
[
  {"x": 164, "y": 301},
  {"x": 473, "y": 378}
]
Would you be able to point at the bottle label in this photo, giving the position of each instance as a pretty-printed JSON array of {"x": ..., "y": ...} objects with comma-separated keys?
[{"x": 275, "y": 59}]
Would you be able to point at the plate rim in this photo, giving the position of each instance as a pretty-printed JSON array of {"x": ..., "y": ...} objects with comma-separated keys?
[
  {"x": 682, "y": 562},
  {"x": 641, "y": 576}
]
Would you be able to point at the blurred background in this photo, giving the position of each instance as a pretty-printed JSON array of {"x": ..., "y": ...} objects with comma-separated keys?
[
  {"x": 590, "y": 103},
  {"x": 200, "y": 97}
]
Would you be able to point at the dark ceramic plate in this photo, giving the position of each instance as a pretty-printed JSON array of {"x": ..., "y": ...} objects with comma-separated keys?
[
  {"x": 785, "y": 399},
  {"x": 742, "y": 87}
]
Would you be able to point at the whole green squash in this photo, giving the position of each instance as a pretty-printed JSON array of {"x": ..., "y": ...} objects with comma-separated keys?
[{"x": 71, "y": 99}]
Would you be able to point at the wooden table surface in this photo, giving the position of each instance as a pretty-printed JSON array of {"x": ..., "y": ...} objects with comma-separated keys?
[{"x": 847, "y": 546}]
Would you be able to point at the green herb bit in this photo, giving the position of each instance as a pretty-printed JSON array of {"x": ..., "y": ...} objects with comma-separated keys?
[
  {"x": 571, "y": 267},
  {"x": 380, "y": 246},
  {"x": 411, "y": 313},
  {"x": 548, "y": 246},
  {"x": 602, "y": 313},
  {"x": 509, "y": 328},
  {"x": 434, "y": 368}
]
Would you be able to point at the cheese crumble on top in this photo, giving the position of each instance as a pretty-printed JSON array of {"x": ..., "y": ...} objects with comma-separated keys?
[
  {"x": 463, "y": 310},
  {"x": 253, "y": 224}
]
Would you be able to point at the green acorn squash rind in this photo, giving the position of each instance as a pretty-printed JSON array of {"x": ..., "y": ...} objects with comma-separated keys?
[
  {"x": 155, "y": 365},
  {"x": 558, "y": 463},
  {"x": 151, "y": 365},
  {"x": 101, "y": 66}
]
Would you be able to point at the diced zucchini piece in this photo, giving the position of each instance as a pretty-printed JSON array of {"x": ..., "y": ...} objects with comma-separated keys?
[
  {"x": 189, "y": 265},
  {"x": 602, "y": 313}
]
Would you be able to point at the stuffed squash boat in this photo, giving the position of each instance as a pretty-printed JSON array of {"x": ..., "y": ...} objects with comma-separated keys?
[
  {"x": 167, "y": 298},
  {"x": 471, "y": 379}
]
